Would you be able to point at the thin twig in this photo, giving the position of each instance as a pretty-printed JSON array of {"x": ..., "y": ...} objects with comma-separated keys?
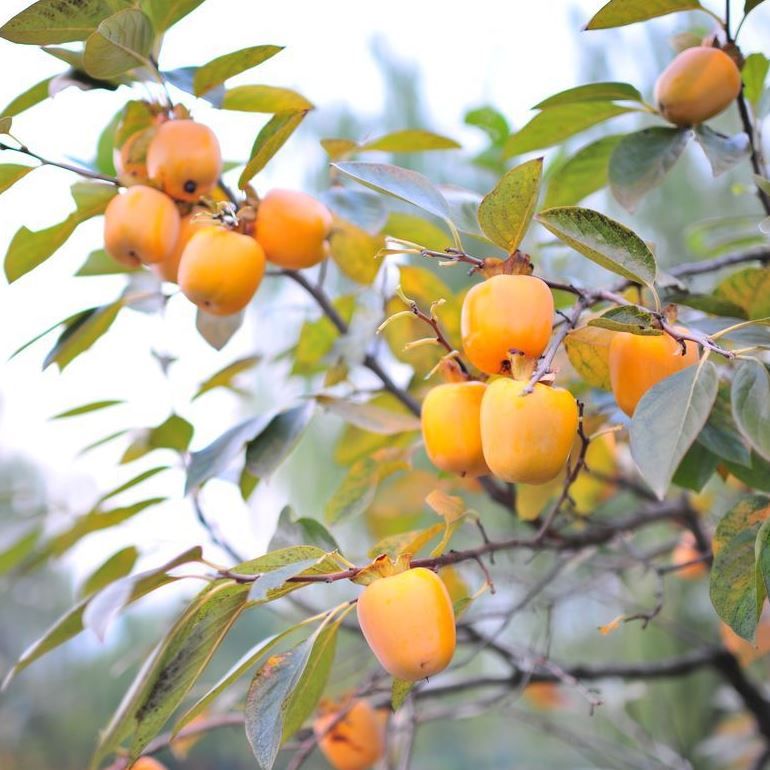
[{"x": 58, "y": 164}]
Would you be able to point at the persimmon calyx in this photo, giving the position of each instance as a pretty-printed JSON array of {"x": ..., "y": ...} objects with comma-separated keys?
[
  {"x": 517, "y": 263},
  {"x": 383, "y": 566}
]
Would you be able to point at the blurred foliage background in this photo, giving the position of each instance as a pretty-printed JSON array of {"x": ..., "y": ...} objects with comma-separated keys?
[{"x": 49, "y": 718}]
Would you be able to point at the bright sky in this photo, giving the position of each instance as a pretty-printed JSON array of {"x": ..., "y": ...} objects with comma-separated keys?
[{"x": 465, "y": 58}]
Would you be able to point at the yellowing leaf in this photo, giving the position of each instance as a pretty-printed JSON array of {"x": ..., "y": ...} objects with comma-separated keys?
[
  {"x": 612, "y": 626},
  {"x": 449, "y": 507},
  {"x": 588, "y": 352},
  {"x": 356, "y": 252}
]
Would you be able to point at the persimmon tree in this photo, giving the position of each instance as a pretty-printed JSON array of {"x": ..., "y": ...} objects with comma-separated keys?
[{"x": 541, "y": 416}]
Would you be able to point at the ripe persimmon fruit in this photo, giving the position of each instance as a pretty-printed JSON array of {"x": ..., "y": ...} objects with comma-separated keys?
[
  {"x": 220, "y": 270},
  {"x": 527, "y": 438},
  {"x": 505, "y": 314},
  {"x": 184, "y": 159},
  {"x": 141, "y": 225},
  {"x": 686, "y": 552},
  {"x": 408, "y": 621},
  {"x": 131, "y": 159},
  {"x": 292, "y": 228},
  {"x": 638, "y": 362},
  {"x": 168, "y": 269},
  {"x": 354, "y": 741},
  {"x": 451, "y": 427},
  {"x": 147, "y": 763},
  {"x": 698, "y": 84}
]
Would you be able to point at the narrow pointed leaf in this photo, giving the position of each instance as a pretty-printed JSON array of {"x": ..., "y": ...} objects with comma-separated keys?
[
  {"x": 269, "y": 140},
  {"x": 618, "y": 13},
  {"x": 751, "y": 405}
]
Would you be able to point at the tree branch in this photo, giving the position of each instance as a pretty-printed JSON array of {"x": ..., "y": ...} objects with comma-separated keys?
[{"x": 66, "y": 166}]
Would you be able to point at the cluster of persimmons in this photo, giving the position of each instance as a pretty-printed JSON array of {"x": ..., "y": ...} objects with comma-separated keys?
[
  {"x": 503, "y": 423},
  {"x": 167, "y": 218}
]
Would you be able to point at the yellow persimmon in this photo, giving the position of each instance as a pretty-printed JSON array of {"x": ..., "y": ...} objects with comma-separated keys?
[
  {"x": 408, "y": 622},
  {"x": 504, "y": 314},
  {"x": 699, "y": 83},
  {"x": 292, "y": 228},
  {"x": 451, "y": 427},
  {"x": 220, "y": 270},
  {"x": 545, "y": 696},
  {"x": 527, "y": 438},
  {"x": 141, "y": 225},
  {"x": 168, "y": 269},
  {"x": 184, "y": 159},
  {"x": 353, "y": 742},
  {"x": 638, "y": 362},
  {"x": 686, "y": 551}
]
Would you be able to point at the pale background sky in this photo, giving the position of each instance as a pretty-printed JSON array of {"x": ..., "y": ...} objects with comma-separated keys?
[{"x": 473, "y": 55}]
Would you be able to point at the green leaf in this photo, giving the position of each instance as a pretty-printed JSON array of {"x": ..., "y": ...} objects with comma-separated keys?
[
  {"x": 762, "y": 563},
  {"x": 86, "y": 408},
  {"x": 143, "y": 476},
  {"x": 166, "y": 13},
  {"x": 224, "y": 377},
  {"x": 11, "y": 173},
  {"x": 750, "y": 5},
  {"x": 723, "y": 152},
  {"x": 269, "y": 140},
  {"x": 708, "y": 303},
  {"x": 71, "y": 624},
  {"x": 291, "y": 531},
  {"x": 618, "y": 13},
  {"x": 506, "y": 212},
  {"x": 269, "y": 585},
  {"x": 317, "y": 338},
  {"x": 735, "y": 592},
  {"x": 99, "y": 262},
  {"x": 217, "y": 456},
  {"x": 592, "y": 92},
  {"x": 641, "y": 161},
  {"x": 603, "y": 240},
  {"x": 720, "y": 434},
  {"x": 491, "y": 121},
  {"x": 399, "y": 692},
  {"x": 217, "y": 330},
  {"x": 584, "y": 173},
  {"x": 588, "y": 351},
  {"x": 359, "y": 486},
  {"x": 750, "y": 397},
  {"x": 110, "y": 601},
  {"x": 410, "y": 140},
  {"x": 117, "y": 566},
  {"x": 218, "y": 70},
  {"x": 268, "y": 99},
  {"x": 272, "y": 710},
  {"x": 14, "y": 554},
  {"x": 697, "y": 467},
  {"x": 754, "y": 74},
  {"x": 239, "y": 669},
  {"x": 79, "y": 335},
  {"x": 554, "y": 125},
  {"x": 275, "y": 442},
  {"x": 54, "y": 21},
  {"x": 369, "y": 417},
  {"x": 668, "y": 419},
  {"x": 400, "y": 183},
  {"x": 749, "y": 289},
  {"x": 362, "y": 208},
  {"x": 30, "y": 97},
  {"x": 173, "y": 669},
  {"x": 627, "y": 318},
  {"x": 120, "y": 43},
  {"x": 29, "y": 249},
  {"x": 756, "y": 475}
]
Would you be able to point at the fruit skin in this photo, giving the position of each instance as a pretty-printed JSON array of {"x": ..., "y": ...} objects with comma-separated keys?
[
  {"x": 140, "y": 225},
  {"x": 220, "y": 270},
  {"x": 408, "y": 621},
  {"x": 185, "y": 159},
  {"x": 687, "y": 551},
  {"x": 355, "y": 742},
  {"x": 168, "y": 269},
  {"x": 527, "y": 438},
  {"x": 147, "y": 763},
  {"x": 638, "y": 362},
  {"x": 292, "y": 228},
  {"x": 545, "y": 696},
  {"x": 506, "y": 312},
  {"x": 699, "y": 83},
  {"x": 131, "y": 159},
  {"x": 451, "y": 428}
]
